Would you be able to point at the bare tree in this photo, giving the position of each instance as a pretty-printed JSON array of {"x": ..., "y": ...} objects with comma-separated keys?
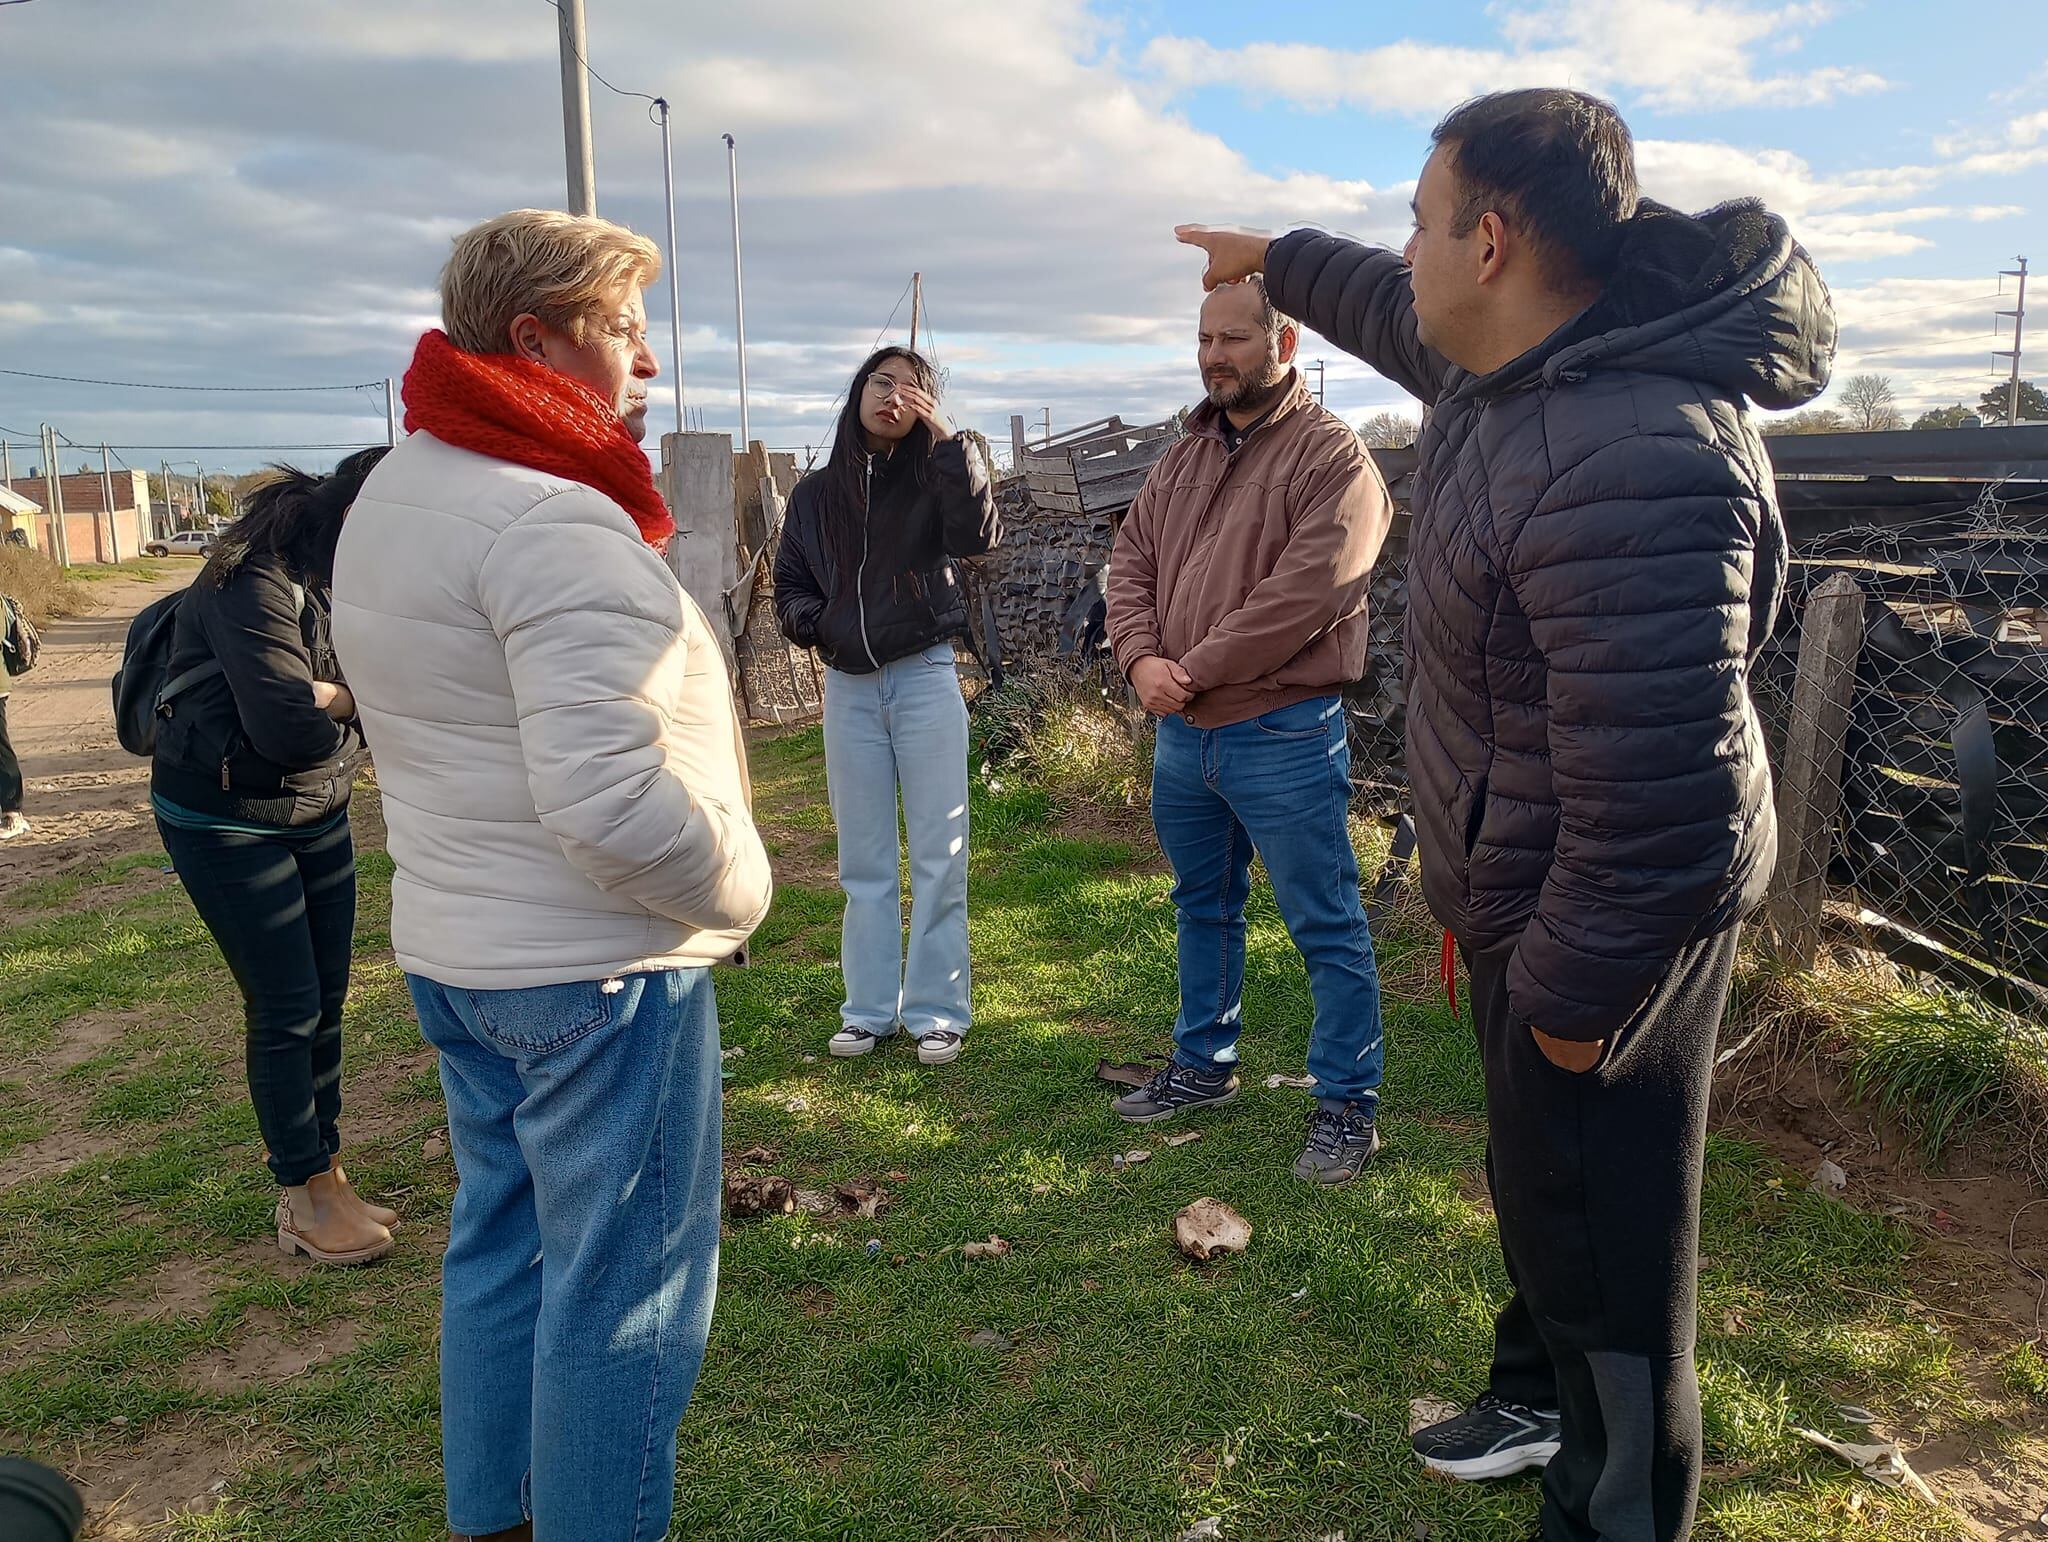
[
  {"x": 1869, "y": 403},
  {"x": 1814, "y": 420},
  {"x": 1388, "y": 431}
]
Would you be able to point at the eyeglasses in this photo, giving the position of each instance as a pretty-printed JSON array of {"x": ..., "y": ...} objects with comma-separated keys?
[{"x": 880, "y": 385}]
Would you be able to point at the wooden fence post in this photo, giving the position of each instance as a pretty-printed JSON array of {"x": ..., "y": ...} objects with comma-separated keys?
[{"x": 1810, "y": 775}]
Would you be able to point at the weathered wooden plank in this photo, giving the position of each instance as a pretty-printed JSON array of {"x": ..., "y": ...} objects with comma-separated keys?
[
  {"x": 1810, "y": 781},
  {"x": 1057, "y": 503},
  {"x": 1052, "y": 482},
  {"x": 1105, "y": 468}
]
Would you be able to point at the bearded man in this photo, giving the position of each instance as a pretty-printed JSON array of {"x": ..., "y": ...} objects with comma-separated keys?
[{"x": 1236, "y": 608}]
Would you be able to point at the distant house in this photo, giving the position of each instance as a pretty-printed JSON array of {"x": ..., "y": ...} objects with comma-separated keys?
[
  {"x": 18, "y": 517},
  {"x": 95, "y": 532}
]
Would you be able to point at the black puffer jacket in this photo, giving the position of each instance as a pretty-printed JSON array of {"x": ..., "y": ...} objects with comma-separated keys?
[
  {"x": 904, "y": 593},
  {"x": 248, "y": 744},
  {"x": 1596, "y": 558}
]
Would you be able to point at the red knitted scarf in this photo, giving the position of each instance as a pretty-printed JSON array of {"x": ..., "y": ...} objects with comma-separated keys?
[{"x": 515, "y": 409}]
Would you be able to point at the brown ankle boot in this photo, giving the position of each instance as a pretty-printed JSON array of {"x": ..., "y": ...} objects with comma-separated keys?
[
  {"x": 383, "y": 1215},
  {"x": 318, "y": 1220},
  {"x": 523, "y": 1532}
]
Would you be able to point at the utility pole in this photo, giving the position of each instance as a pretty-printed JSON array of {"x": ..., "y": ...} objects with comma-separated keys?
[
  {"x": 53, "y": 498},
  {"x": 2019, "y": 322},
  {"x": 739, "y": 304},
  {"x": 675, "y": 281},
  {"x": 1317, "y": 366},
  {"x": 576, "y": 109},
  {"x": 1046, "y": 413},
  {"x": 390, "y": 414},
  {"x": 107, "y": 499},
  {"x": 916, "y": 300},
  {"x": 6, "y": 463}
]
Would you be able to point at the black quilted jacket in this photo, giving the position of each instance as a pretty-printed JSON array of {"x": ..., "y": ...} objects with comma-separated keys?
[
  {"x": 905, "y": 593},
  {"x": 1596, "y": 558}
]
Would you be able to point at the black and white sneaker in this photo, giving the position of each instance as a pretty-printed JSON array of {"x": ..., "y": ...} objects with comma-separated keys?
[
  {"x": 850, "y": 1043},
  {"x": 1340, "y": 1142},
  {"x": 1174, "y": 1088},
  {"x": 1491, "y": 1439}
]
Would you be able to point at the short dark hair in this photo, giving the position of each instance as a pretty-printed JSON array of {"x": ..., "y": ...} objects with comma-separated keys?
[{"x": 1559, "y": 164}]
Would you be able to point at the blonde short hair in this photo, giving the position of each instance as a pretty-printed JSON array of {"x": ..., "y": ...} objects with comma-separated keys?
[{"x": 560, "y": 267}]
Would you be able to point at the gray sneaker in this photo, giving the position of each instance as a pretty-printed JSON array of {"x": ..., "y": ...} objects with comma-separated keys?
[
  {"x": 1175, "y": 1088},
  {"x": 1340, "y": 1142},
  {"x": 12, "y": 825}
]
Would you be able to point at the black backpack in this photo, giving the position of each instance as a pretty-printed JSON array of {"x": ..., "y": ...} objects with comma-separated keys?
[
  {"x": 20, "y": 643},
  {"x": 143, "y": 685}
]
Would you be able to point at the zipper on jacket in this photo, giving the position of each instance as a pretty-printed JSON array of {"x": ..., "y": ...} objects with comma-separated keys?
[{"x": 860, "y": 599}]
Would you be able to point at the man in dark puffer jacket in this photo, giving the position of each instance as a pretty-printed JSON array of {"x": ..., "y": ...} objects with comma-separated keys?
[{"x": 1596, "y": 558}]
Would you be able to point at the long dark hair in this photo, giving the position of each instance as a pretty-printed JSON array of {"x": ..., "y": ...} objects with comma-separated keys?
[
  {"x": 845, "y": 472},
  {"x": 295, "y": 516}
]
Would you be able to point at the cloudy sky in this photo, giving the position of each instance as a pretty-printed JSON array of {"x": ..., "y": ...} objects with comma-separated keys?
[{"x": 259, "y": 192}]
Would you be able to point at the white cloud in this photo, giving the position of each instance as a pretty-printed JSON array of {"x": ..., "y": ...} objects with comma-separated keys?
[
  {"x": 268, "y": 199},
  {"x": 1671, "y": 54}
]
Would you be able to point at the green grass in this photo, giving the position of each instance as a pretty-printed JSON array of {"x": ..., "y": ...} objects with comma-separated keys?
[
  {"x": 1945, "y": 1064},
  {"x": 842, "y": 1396},
  {"x": 2025, "y": 1372},
  {"x": 147, "y": 569}
]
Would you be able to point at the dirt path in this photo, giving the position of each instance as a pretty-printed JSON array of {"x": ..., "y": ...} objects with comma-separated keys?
[{"x": 88, "y": 799}]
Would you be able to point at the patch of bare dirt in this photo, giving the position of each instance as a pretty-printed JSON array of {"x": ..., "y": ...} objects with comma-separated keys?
[
  {"x": 82, "y": 1039},
  {"x": 184, "y": 1287},
  {"x": 267, "y": 1351},
  {"x": 1985, "y": 1218},
  {"x": 88, "y": 799},
  {"x": 172, "y": 1467},
  {"x": 53, "y": 1154},
  {"x": 1982, "y": 1271}
]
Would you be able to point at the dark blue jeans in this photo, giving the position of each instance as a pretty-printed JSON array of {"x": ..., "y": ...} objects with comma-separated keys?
[
  {"x": 1281, "y": 785},
  {"x": 282, "y": 906}
]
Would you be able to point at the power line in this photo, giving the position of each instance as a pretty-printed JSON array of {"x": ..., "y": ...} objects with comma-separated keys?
[
  {"x": 1914, "y": 310},
  {"x": 589, "y": 70},
  {"x": 157, "y": 385},
  {"x": 356, "y": 444}
]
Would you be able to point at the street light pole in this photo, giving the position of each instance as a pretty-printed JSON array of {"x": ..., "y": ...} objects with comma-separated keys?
[
  {"x": 576, "y": 109},
  {"x": 739, "y": 304},
  {"x": 675, "y": 282}
]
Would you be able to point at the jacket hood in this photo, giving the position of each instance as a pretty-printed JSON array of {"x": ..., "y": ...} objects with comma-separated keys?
[{"x": 1726, "y": 297}]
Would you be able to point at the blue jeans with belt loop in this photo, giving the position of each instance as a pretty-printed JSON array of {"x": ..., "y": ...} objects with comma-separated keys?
[
  {"x": 583, "y": 1252},
  {"x": 904, "y": 726},
  {"x": 1279, "y": 784}
]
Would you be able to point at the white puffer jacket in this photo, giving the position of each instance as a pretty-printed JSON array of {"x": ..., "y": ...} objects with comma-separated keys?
[{"x": 563, "y": 774}]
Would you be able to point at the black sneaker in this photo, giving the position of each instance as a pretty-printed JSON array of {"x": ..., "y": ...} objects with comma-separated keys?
[
  {"x": 1340, "y": 1142},
  {"x": 1173, "y": 1089},
  {"x": 1491, "y": 1439}
]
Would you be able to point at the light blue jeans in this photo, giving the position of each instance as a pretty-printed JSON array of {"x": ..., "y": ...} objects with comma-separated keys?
[
  {"x": 905, "y": 726},
  {"x": 1279, "y": 784},
  {"x": 583, "y": 1252}
]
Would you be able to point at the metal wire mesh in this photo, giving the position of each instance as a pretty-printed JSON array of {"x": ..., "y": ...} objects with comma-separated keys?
[
  {"x": 1941, "y": 842},
  {"x": 779, "y": 683}
]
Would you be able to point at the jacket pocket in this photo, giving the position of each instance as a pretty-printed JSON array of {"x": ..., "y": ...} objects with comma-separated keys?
[
  {"x": 541, "y": 1018},
  {"x": 1475, "y": 817}
]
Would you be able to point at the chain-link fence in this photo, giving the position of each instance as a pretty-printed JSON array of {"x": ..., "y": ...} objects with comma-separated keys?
[
  {"x": 779, "y": 683},
  {"x": 1938, "y": 840}
]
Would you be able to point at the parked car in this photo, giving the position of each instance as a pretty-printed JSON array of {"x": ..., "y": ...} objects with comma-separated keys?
[{"x": 183, "y": 543}]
